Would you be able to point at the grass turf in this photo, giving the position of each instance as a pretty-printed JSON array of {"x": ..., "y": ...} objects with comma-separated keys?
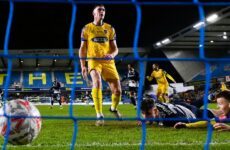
[{"x": 116, "y": 135}]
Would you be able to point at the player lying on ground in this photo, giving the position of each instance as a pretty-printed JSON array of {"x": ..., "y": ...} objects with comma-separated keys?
[
  {"x": 223, "y": 102},
  {"x": 176, "y": 109}
]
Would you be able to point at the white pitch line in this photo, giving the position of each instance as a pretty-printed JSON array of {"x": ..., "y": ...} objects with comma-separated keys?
[{"x": 120, "y": 144}]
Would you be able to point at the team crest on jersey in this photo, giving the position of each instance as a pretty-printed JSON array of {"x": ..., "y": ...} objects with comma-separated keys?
[{"x": 105, "y": 31}]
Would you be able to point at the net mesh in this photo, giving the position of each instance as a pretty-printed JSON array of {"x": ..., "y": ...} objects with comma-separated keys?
[{"x": 141, "y": 60}]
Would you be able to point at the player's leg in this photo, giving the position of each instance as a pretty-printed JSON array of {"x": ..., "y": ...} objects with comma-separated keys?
[
  {"x": 97, "y": 91},
  {"x": 165, "y": 97},
  {"x": 110, "y": 74},
  {"x": 165, "y": 94},
  {"x": 95, "y": 68},
  {"x": 59, "y": 100},
  {"x": 97, "y": 96},
  {"x": 1, "y": 99},
  {"x": 159, "y": 94},
  {"x": 1, "y": 102},
  {"x": 132, "y": 97},
  {"x": 52, "y": 101},
  {"x": 161, "y": 98},
  {"x": 135, "y": 97},
  {"x": 116, "y": 96}
]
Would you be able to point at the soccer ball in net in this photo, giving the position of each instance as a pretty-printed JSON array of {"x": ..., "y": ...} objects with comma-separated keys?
[{"x": 22, "y": 130}]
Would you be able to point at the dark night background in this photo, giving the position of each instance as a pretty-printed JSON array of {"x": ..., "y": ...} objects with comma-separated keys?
[{"x": 46, "y": 25}]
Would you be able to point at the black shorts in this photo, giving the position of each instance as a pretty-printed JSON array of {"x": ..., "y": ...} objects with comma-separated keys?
[{"x": 57, "y": 96}]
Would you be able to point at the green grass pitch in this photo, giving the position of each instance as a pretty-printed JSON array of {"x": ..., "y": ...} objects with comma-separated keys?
[{"x": 116, "y": 135}]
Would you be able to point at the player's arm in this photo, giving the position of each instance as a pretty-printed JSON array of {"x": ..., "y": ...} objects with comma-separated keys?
[
  {"x": 113, "y": 45},
  {"x": 222, "y": 126},
  {"x": 83, "y": 53},
  {"x": 149, "y": 78},
  {"x": 198, "y": 124},
  {"x": 170, "y": 77},
  {"x": 224, "y": 87},
  {"x": 114, "y": 50},
  {"x": 51, "y": 90},
  {"x": 216, "y": 112},
  {"x": 58, "y": 85}
]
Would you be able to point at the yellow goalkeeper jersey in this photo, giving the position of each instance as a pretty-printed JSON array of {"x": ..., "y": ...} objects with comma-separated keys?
[{"x": 98, "y": 39}]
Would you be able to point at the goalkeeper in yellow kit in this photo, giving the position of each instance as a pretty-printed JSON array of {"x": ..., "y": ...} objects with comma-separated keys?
[
  {"x": 160, "y": 76},
  {"x": 98, "y": 40}
]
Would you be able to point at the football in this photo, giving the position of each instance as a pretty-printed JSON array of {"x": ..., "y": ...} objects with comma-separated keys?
[{"x": 22, "y": 130}]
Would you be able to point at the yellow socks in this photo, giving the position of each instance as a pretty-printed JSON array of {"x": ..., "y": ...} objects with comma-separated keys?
[
  {"x": 97, "y": 99},
  {"x": 161, "y": 99},
  {"x": 115, "y": 101}
]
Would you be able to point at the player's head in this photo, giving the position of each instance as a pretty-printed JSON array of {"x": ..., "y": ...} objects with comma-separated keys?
[
  {"x": 155, "y": 66},
  {"x": 55, "y": 82},
  {"x": 130, "y": 67},
  {"x": 99, "y": 12},
  {"x": 148, "y": 108},
  {"x": 223, "y": 101}
]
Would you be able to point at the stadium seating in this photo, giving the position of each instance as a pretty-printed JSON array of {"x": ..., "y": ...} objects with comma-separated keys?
[{"x": 43, "y": 80}]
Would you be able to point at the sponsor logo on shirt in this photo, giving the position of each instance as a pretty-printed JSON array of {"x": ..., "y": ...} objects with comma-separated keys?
[{"x": 100, "y": 39}]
